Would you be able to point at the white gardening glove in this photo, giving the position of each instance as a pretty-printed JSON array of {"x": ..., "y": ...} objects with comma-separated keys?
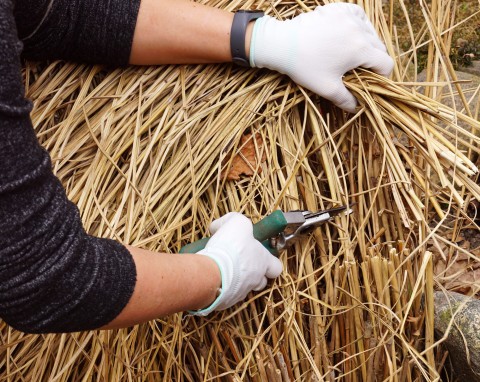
[
  {"x": 316, "y": 49},
  {"x": 244, "y": 262}
]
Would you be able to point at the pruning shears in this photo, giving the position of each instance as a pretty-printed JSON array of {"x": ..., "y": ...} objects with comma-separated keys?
[{"x": 280, "y": 229}]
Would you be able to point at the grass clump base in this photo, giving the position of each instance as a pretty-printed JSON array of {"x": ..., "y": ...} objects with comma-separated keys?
[{"x": 141, "y": 152}]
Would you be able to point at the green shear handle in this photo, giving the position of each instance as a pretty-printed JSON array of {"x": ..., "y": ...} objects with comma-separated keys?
[{"x": 270, "y": 226}]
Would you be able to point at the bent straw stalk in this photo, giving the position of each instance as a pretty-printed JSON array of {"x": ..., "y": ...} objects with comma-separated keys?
[{"x": 141, "y": 152}]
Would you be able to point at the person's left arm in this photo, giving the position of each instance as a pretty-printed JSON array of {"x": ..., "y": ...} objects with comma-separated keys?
[
  {"x": 146, "y": 32},
  {"x": 90, "y": 31},
  {"x": 315, "y": 48}
]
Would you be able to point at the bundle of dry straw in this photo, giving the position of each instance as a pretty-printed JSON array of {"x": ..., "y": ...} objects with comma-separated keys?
[{"x": 141, "y": 151}]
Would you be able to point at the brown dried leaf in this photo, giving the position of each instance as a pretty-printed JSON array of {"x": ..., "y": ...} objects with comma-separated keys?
[
  {"x": 245, "y": 162},
  {"x": 456, "y": 238},
  {"x": 460, "y": 274}
]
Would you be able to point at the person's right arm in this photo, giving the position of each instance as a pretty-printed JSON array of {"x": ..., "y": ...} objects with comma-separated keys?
[
  {"x": 54, "y": 277},
  {"x": 222, "y": 274}
]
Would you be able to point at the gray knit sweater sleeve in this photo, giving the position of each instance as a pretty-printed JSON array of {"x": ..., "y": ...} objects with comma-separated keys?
[
  {"x": 93, "y": 31},
  {"x": 53, "y": 276}
]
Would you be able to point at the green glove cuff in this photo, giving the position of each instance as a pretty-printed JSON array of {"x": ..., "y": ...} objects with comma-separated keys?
[
  {"x": 252, "y": 42},
  {"x": 209, "y": 309}
]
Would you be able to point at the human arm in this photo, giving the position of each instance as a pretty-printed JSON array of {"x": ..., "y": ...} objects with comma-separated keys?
[
  {"x": 56, "y": 278},
  {"x": 233, "y": 263},
  {"x": 166, "y": 284},
  {"x": 181, "y": 31},
  {"x": 53, "y": 276},
  {"x": 314, "y": 48},
  {"x": 158, "y": 32}
]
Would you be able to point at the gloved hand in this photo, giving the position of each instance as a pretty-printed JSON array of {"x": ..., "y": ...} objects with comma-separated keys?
[
  {"x": 316, "y": 49},
  {"x": 244, "y": 262}
]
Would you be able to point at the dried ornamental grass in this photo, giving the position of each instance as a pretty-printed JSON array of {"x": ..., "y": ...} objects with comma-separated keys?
[{"x": 141, "y": 152}]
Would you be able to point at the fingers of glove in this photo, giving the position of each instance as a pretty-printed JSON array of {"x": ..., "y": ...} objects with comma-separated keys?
[
  {"x": 261, "y": 285},
  {"x": 379, "y": 61},
  {"x": 351, "y": 17},
  {"x": 218, "y": 223},
  {"x": 274, "y": 266},
  {"x": 348, "y": 9},
  {"x": 364, "y": 23},
  {"x": 342, "y": 7},
  {"x": 234, "y": 219},
  {"x": 372, "y": 38},
  {"x": 336, "y": 92},
  {"x": 356, "y": 10}
]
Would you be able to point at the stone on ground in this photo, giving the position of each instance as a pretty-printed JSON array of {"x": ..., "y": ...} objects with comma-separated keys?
[{"x": 463, "y": 336}]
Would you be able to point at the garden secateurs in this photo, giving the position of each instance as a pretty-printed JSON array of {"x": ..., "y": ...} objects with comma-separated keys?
[{"x": 278, "y": 230}]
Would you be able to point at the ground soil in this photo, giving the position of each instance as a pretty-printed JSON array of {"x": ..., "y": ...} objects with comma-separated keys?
[
  {"x": 465, "y": 46},
  {"x": 464, "y": 50}
]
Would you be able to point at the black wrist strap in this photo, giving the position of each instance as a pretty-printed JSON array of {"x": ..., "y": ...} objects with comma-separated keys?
[{"x": 237, "y": 35}]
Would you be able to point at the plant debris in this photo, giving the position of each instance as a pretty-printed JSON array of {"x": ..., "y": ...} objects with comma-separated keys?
[
  {"x": 138, "y": 150},
  {"x": 247, "y": 159}
]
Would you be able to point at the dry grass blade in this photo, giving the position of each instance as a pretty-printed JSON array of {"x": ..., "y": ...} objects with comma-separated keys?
[{"x": 141, "y": 151}]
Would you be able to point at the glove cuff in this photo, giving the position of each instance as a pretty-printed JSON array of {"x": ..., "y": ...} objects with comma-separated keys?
[
  {"x": 227, "y": 275},
  {"x": 273, "y": 45}
]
